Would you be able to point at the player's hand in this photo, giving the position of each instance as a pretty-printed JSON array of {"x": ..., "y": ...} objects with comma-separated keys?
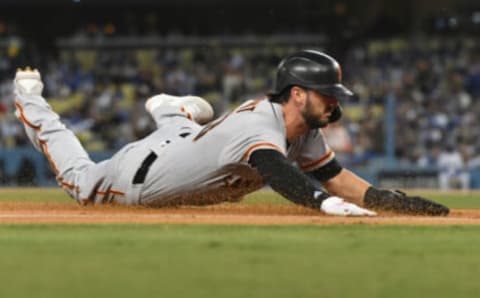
[
  {"x": 338, "y": 206},
  {"x": 397, "y": 201},
  {"x": 423, "y": 205}
]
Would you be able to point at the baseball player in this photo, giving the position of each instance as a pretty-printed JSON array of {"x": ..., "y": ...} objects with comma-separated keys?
[{"x": 275, "y": 140}]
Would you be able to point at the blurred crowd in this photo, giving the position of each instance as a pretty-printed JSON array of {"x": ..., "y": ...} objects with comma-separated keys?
[
  {"x": 100, "y": 93},
  {"x": 435, "y": 85}
]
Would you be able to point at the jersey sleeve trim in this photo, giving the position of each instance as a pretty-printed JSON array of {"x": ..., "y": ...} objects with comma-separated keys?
[
  {"x": 257, "y": 146},
  {"x": 319, "y": 162}
]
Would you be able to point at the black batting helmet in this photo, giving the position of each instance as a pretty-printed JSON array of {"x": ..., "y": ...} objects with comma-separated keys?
[{"x": 313, "y": 70}]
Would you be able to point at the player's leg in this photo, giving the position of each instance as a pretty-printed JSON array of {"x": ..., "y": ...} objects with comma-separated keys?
[
  {"x": 74, "y": 170},
  {"x": 192, "y": 107}
]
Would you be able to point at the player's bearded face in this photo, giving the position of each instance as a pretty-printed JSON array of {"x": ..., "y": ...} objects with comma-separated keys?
[{"x": 313, "y": 118}]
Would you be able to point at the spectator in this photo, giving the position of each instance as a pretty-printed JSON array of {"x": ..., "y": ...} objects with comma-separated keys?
[{"x": 453, "y": 170}]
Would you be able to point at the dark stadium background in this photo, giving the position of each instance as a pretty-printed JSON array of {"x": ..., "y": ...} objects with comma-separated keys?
[{"x": 341, "y": 21}]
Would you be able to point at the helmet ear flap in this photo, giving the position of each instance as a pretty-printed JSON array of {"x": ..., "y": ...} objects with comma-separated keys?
[
  {"x": 336, "y": 114},
  {"x": 281, "y": 96}
]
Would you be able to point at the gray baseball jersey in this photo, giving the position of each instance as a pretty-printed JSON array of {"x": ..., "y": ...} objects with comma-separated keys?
[{"x": 179, "y": 163}]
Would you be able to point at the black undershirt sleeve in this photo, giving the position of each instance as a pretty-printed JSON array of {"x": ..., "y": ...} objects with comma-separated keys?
[
  {"x": 328, "y": 171},
  {"x": 287, "y": 180}
]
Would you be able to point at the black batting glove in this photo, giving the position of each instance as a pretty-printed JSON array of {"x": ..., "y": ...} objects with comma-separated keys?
[{"x": 400, "y": 202}]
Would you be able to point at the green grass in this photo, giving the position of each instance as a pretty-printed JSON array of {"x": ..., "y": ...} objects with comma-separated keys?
[
  {"x": 467, "y": 200},
  {"x": 451, "y": 199},
  {"x": 34, "y": 194},
  {"x": 238, "y": 261}
]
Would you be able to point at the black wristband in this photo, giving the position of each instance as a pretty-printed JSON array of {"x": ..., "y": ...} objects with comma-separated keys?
[{"x": 373, "y": 198}]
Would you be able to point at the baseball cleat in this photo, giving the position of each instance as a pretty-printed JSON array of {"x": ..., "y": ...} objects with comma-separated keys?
[
  {"x": 197, "y": 108},
  {"x": 28, "y": 82}
]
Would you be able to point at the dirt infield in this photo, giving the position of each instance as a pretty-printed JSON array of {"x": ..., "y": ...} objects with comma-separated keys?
[{"x": 50, "y": 212}]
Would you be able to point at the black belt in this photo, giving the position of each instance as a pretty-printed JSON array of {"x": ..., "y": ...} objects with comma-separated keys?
[{"x": 142, "y": 171}]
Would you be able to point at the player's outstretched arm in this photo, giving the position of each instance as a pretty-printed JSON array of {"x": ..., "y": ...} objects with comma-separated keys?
[
  {"x": 353, "y": 188},
  {"x": 294, "y": 185}
]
